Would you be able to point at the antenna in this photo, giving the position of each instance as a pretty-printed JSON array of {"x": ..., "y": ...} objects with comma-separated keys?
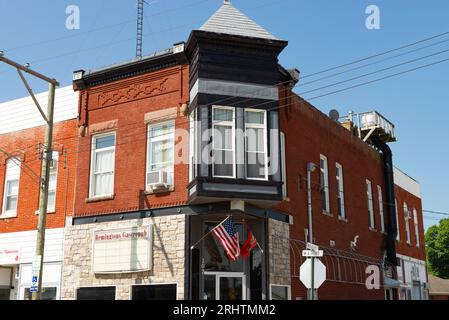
[{"x": 140, "y": 4}]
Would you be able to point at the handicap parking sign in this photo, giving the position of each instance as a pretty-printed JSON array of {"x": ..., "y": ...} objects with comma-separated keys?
[
  {"x": 33, "y": 289},
  {"x": 34, "y": 280}
]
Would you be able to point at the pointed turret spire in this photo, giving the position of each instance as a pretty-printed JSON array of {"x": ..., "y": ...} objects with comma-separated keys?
[{"x": 229, "y": 20}]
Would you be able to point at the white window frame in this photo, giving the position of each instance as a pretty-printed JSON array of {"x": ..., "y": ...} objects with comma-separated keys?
[
  {"x": 381, "y": 208},
  {"x": 324, "y": 175},
  {"x": 159, "y": 138},
  {"x": 340, "y": 190},
  {"x": 289, "y": 290},
  {"x": 415, "y": 221},
  {"x": 407, "y": 223},
  {"x": 284, "y": 165},
  {"x": 369, "y": 195},
  {"x": 230, "y": 124},
  {"x": 53, "y": 171},
  {"x": 398, "y": 236},
  {"x": 92, "y": 191},
  {"x": 12, "y": 173},
  {"x": 265, "y": 143}
]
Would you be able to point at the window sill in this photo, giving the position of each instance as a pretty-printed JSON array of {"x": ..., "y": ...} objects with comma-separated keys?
[
  {"x": 372, "y": 229},
  {"x": 4, "y": 217},
  {"x": 162, "y": 191},
  {"x": 328, "y": 214},
  {"x": 99, "y": 199},
  {"x": 48, "y": 212},
  {"x": 342, "y": 219}
]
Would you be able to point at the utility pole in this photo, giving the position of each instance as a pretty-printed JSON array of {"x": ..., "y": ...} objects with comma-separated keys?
[{"x": 38, "y": 259}]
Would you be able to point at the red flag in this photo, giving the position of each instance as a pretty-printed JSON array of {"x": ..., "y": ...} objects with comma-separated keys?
[{"x": 249, "y": 244}]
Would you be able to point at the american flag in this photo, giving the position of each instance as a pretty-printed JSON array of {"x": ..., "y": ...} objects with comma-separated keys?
[{"x": 229, "y": 238}]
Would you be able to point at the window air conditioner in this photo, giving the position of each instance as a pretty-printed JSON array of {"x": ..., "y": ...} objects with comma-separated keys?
[{"x": 158, "y": 180}]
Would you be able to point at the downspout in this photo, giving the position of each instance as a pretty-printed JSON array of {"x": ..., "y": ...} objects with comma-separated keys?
[{"x": 392, "y": 228}]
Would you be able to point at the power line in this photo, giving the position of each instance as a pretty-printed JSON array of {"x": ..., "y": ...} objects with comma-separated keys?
[
  {"x": 373, "y": 63},
  {"x": 377, "y": 55},
  {"x": 436, "y": 212},
  {"x": 293, "y": 94}
]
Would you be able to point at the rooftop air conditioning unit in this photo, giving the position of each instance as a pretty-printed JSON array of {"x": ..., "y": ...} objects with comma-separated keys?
[{"x": 158, "y": 181}]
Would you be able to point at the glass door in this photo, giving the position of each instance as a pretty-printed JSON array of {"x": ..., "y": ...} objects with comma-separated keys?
[{"x": 224, "y": 286}]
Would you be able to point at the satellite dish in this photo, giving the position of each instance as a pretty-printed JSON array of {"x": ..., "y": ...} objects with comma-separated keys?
[{"x": 334, "y": 115}]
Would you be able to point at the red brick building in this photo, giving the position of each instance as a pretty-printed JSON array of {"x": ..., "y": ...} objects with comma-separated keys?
[
  {"x": 171, "y": 145},
  {"x": 21, "y": 137}
]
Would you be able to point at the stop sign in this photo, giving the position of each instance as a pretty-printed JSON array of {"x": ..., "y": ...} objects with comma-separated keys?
[{"x": 305, "y": 273}]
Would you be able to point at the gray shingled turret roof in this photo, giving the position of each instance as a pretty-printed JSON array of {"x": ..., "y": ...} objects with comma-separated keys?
[{"x": 229, "y": 20}]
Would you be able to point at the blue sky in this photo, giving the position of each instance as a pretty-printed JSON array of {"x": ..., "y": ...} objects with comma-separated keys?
[{"x": 321, "y": 34}]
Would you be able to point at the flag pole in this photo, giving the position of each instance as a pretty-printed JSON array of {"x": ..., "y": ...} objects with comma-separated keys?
[{"x": 193, "y": 246}]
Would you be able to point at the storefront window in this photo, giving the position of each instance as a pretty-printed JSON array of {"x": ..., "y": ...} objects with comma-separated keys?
[
  {"x": 154, "y": 292},
  {"x": 279, "y": 292},
  {"x": 48, "y": 293},
  {"x": 214, "y": 257},
  {"x": 96, "y": 293},
  {"x": 4, "y": 293}
]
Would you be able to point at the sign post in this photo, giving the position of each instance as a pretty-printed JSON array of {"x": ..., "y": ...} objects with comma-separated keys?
[{"x": 312, "y": 272}]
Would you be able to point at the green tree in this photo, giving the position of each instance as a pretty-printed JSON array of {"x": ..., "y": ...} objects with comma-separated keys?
[{"x": 437, "y": 247}]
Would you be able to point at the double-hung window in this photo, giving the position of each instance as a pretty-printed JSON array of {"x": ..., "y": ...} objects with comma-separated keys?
[
  {"x": 102, "y": 165},
  {"x": 324, "y": 180},
  {"x": 160, "y": 153},
  {"x": 381, "y": 208},
  {"x": 11, "y": 191},
  {"x": 256, "y": 144},
  {"x": 407, "y": 223},
  {"x": 51, "y": 204},
  {"x": 340, "y": 191},
  {"x": 415, "y": 220},
  {"x": 369, "y": 196},
  {"x": 223, "y": 137}
]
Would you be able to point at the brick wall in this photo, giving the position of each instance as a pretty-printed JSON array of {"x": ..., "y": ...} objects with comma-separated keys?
[
  {"x": 121, "y": 106},
  {"x": 24, "y": 145},
  {"x": 402, "y": 247},
  {"x": 309, "y": 133}
]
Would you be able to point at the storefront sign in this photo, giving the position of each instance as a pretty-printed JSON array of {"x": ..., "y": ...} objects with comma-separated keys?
[
  {"x": 122, "y": 250},
  {"x": 9, "y": 255}
]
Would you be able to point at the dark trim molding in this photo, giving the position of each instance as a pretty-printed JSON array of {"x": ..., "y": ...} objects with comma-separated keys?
[{"x": 204, "y": 209}]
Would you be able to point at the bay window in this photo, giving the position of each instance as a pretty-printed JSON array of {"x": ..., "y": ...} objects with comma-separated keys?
[
  {"x": 11, "y": 191},
  {"x": 223, "y": 135},
  {"x": 160, "y": 154},
  {"x": 102, "y": 165},
  {"x": 256, "y": 144}
]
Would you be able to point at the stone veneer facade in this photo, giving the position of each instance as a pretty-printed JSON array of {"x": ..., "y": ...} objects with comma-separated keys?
[
  {"x": 279, "y": 252},
  {"x": 168, "y": 257}
]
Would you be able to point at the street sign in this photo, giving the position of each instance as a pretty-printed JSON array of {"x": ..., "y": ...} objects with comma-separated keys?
[
  {"x": 305, "y": 273},
  {"x": 312, "y": 253},
  {"x": 311, "y": 246},
  {"x": 35, "y": 268}
]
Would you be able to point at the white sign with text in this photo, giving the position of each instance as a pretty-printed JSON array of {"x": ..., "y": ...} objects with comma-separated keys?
[{"x": 122, "y": 250}]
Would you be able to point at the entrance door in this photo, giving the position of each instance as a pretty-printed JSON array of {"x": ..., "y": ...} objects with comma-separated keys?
[{"x": 224, "y": 286}]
